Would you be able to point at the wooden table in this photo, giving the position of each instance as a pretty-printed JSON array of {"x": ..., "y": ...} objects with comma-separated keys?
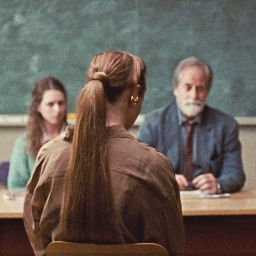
[
  {"x": 13, "y": 238},
  {"x": 240, "y": 203},
  {"x": 223, "y": 226},
  {"x": 11, "y": 204}
]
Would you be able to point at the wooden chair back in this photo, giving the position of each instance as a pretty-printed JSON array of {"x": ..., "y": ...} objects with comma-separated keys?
[{"x": 60, "y": 248}]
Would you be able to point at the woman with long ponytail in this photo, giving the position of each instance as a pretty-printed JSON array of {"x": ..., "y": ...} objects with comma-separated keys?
[{"x": 97, "y": 183}]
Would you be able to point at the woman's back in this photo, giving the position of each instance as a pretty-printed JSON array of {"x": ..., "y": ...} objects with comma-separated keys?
[
  {"x": 114, "y": 189},
  {"x": 146, "y": 195}
]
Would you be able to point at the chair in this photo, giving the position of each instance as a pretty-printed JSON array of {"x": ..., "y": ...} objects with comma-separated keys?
[
  {"x": 60, "y": 248},
  {"x": 4, "y": 170}
]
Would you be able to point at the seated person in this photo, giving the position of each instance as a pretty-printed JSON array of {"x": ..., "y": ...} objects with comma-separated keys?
[
  {"x": 47, "y": 118},
  {"x": 215, "y": 164},
  {"x": 99, "y": 184}
]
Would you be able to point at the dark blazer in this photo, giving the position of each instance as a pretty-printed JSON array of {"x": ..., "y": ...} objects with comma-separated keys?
[{"x": 218, "y": 145}]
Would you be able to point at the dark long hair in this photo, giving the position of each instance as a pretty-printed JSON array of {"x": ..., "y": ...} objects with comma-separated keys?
[
  {"x": 88, "y": 212},
  {"x": 35, "y": 119}
]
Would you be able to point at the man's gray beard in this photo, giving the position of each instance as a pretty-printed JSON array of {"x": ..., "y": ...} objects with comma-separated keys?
[{"x": 191, "y": 108}]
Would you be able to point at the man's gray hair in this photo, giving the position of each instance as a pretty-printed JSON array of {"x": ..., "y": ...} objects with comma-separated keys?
[{"x": 192, "y": 61}]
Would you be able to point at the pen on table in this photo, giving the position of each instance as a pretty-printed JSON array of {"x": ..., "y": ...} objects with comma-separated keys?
[{"x": 191, "y": 184}]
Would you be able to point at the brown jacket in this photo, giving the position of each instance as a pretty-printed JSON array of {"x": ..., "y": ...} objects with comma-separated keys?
[{"x": 146, "y": 194}]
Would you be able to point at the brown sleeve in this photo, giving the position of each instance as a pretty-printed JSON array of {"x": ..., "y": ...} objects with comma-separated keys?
[
  {"x": 44, "y": 195},
  {"x": 31, "y": 212}
]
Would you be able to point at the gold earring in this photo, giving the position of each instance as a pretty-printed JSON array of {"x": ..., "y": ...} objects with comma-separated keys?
[{"x": 134, "y": 100}]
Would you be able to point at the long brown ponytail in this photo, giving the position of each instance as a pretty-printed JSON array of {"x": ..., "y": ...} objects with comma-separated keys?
[{"x": 88, "y": 212}]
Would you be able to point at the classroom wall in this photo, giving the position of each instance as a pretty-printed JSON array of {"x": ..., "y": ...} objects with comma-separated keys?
[
  {"x": 9, "y": 133},
  {"x": 59, "y": 37}
]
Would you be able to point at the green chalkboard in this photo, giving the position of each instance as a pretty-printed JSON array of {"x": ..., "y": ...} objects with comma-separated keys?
[{"x": 59, "y": 37}]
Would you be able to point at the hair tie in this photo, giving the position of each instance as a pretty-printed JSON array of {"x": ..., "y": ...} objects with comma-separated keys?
[{"x": 102, "y": 77}]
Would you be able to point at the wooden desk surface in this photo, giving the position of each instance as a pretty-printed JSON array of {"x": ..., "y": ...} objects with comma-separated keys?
[
  {"x": 231, "y": 223},
  {"x": 239, "y": 203},
  {"x": 11, "y": 209}
]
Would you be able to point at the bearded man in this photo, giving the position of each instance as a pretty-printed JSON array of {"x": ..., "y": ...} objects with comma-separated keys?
[{"x": 213, "y": 164}]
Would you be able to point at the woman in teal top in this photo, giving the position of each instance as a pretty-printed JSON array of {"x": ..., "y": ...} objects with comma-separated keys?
[{"x": 47, "y": 119}]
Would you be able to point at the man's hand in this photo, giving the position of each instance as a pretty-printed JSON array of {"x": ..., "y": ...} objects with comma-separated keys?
[
  {"x": 182, "y": 181},
  {"x": 206, "y": 183}
]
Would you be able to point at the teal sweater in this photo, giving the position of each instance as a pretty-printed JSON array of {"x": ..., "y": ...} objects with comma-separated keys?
[{"x": 21, "y": 165}]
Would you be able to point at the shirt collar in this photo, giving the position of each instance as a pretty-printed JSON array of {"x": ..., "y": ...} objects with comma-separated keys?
[
  {"x": 47, "y": 138},
  {"x": 182, "y": 119}
]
